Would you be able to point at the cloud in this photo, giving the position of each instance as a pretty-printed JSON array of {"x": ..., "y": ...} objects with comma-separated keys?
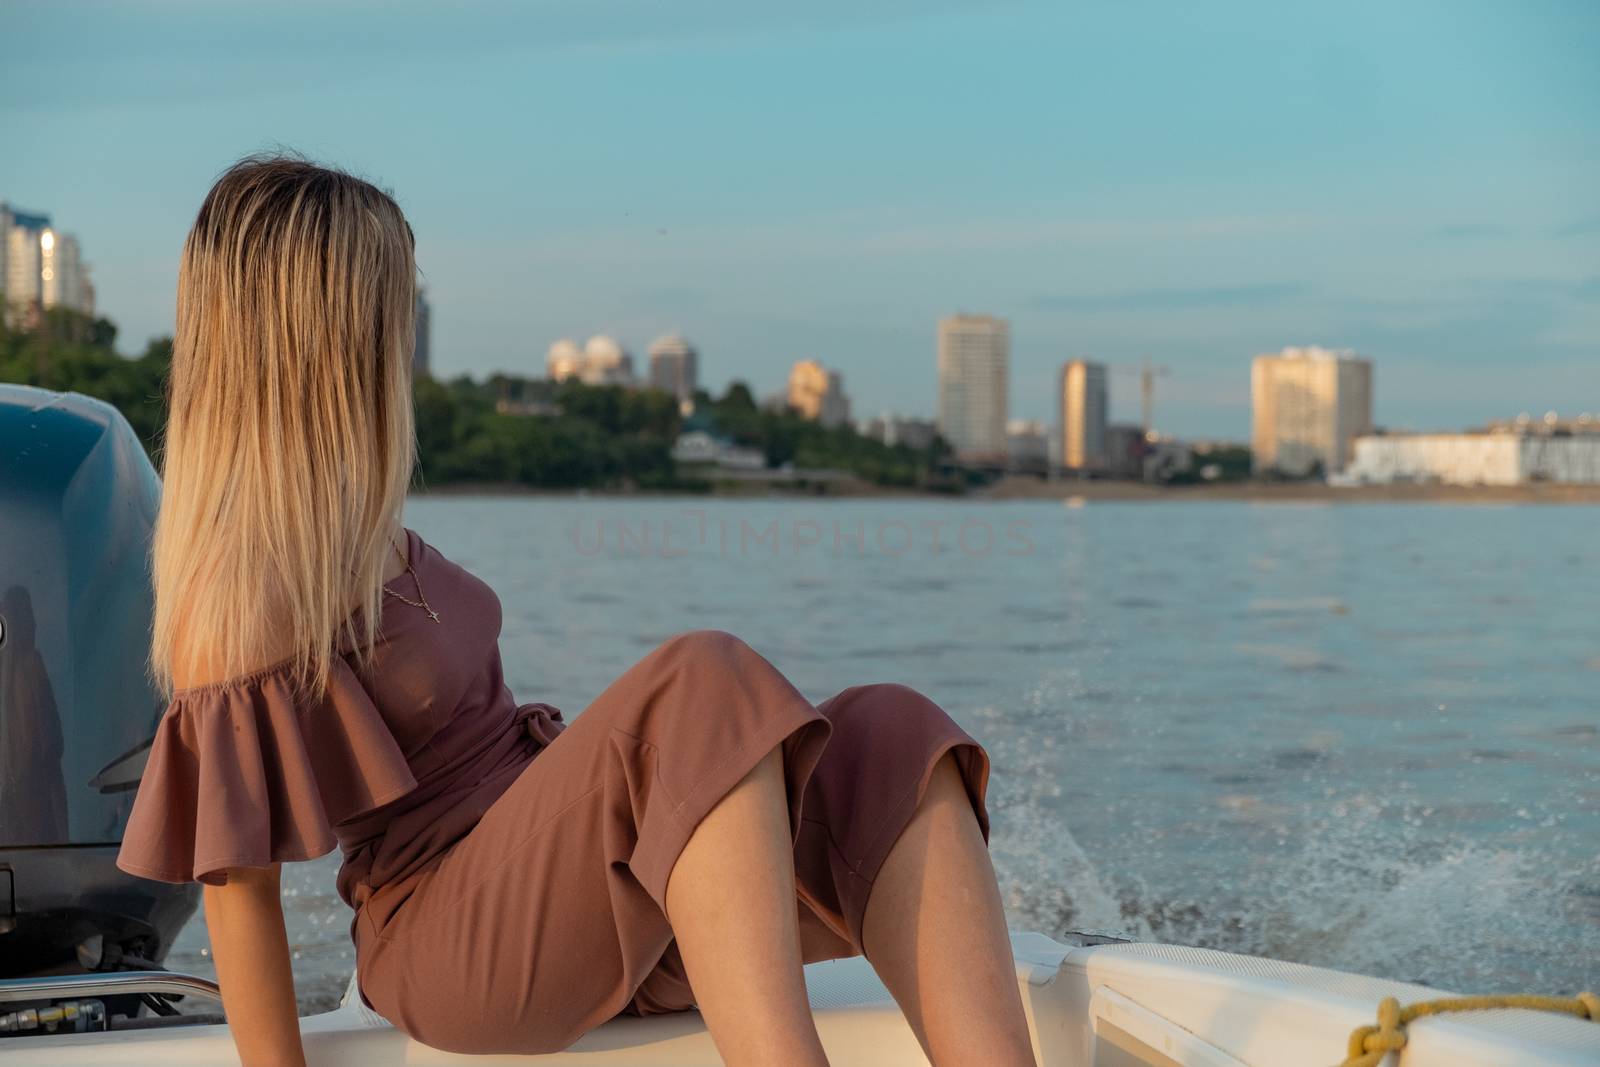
[{"x": 1219, "y": 296}]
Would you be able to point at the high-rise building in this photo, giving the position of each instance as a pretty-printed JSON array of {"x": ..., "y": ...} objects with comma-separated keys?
[
  {"x": 974, "y": 358},
  {"x": 818, "y": 393},
  {"x": 605, "y": 362},
  {"x": 564, "y": 360},
  {"x": 601, "y": 361},
  {"x": 674, "y": 366},
  {"x": 40, "y": 267},
  {"x": 18, "y": 283},
  {"x": 5, "y": 249},
  {"x": 1309, "y": 406},
  {"x": 1083, "y": 415},
  {"x": 63, "y": 276},
  {"x": 20, "y": 243},
  {"x": 422, "y": 354}
]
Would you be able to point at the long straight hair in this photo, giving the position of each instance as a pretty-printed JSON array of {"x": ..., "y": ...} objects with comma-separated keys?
[{"x": 289, "y": 442}]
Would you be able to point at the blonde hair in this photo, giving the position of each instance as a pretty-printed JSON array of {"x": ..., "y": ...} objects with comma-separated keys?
[{"x": 289, "y": 442}]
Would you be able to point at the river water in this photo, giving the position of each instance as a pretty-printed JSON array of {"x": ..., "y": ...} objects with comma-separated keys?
[{"x": 1364, "y": 736}]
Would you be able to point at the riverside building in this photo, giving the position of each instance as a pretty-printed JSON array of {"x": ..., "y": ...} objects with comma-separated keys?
[
  {"x": 40, "y": 268},
  {"x": 422, "y": 351},
  {"x": 1507, "y": 454},
  {"x": 1308, "y": 406},
  {"x": 601, "y": 361},
  {"x": 818, "y": 394},
  {"x": 1083, "y": 415},
  {"x": 674, "y": 366},
  {"x": 974, "y": 381}
]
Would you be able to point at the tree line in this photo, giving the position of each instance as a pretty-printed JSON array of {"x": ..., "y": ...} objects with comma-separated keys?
[{"x": 501, "y": 431}]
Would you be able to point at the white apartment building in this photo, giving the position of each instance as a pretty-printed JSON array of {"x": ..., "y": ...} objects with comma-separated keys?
[
  {"x": 974, "y": 381},
  {"x": 674, "y": 366},
  {"x": 1474, "y": 459},
  {"x": 1309, "y": 405},
  {"x": 40, "y": 267}
]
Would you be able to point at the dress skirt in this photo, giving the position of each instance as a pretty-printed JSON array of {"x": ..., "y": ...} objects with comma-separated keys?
[{"x": 548, "y": 918}]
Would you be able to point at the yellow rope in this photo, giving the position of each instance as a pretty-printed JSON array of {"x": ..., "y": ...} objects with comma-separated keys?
[{"x": 1369, "y": 1044}]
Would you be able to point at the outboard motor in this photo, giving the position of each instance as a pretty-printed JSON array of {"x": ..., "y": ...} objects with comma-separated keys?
[{"x": 78, "y": 500}]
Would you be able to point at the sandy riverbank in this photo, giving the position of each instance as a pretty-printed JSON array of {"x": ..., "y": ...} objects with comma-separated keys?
[
  {"x": 1290, "y": 492},
  {"x": 1091, "y": 491}
]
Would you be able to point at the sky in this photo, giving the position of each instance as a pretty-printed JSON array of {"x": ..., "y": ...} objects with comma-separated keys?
[{"x": 1189, "y": 183}]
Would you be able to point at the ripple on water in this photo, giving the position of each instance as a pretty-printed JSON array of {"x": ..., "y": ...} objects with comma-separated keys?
[
  {"x": 1498, "y": 755},
  {"x": 1298, "y": 758},
  {"x": 1034, "y": 648}
]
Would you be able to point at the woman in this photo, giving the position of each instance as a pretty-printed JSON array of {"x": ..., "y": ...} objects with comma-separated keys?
[{"x": 688, "y": 841}]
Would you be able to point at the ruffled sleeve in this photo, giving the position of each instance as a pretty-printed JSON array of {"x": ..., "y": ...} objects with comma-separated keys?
[{"x": 242, "y": 774}]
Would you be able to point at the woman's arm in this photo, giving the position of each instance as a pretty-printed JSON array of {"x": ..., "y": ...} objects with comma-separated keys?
[{"x": 245, "y": 918}]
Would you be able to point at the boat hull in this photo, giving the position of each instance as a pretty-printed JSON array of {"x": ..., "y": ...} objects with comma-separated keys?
[{"x": 1089, "y": 1005}]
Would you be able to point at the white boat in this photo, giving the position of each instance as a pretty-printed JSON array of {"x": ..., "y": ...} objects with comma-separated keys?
[
  {"x": 81, "y": 942},
  {"x": 1090, "y": 1003}
]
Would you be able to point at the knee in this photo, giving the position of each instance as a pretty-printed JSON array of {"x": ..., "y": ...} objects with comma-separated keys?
[
  {"x": 890, "y": 693},
  {"x": 705, "y": 673},
  {"x": 884, "y": 703},
  {"x": 889, "y": 723},
  {"x": 704, "y": 646},
  {"x": 704, "y": 658}
]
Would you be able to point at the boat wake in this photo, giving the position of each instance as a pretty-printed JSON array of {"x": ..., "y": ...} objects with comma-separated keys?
[{"x": 1362, "y": 892}]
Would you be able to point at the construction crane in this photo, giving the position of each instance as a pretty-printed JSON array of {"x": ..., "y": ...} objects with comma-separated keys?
[{"x": 1148, "y": 373}]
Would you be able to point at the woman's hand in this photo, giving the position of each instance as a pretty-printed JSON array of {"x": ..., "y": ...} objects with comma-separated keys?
[{"x": 245, "y": 919}]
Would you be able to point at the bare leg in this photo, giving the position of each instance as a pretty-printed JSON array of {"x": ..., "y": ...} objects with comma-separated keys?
[
  {"x": 935, "y": 932},
  {"x": 731, "y": 903}
]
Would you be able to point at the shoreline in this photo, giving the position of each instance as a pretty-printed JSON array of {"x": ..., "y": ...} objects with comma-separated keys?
[
  {"x": 1292, "y": 493},
  {"x": 1076, "y": 492}
]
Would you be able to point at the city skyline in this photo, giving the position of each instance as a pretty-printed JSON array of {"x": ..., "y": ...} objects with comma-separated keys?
[{"x": 1194, "y": 189}]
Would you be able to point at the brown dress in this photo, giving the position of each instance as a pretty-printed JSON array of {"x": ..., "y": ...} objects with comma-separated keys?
[{"x": 508, "y": 872}]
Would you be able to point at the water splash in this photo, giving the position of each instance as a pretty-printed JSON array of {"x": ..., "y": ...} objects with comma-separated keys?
[{"x": 1366, "y": 891}]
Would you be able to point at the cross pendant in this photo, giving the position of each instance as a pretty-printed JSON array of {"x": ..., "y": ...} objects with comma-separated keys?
[{"x": 434, "y": 615}]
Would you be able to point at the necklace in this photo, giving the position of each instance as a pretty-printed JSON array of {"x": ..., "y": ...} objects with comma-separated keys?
[{"x": 422, "y": 601}]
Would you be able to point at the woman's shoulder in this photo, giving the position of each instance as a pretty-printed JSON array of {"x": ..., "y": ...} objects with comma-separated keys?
[
  {"x": 447, "y": 580},
  {"x": 239, "y": 775},
  {"x": 199, "y": 689}
]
